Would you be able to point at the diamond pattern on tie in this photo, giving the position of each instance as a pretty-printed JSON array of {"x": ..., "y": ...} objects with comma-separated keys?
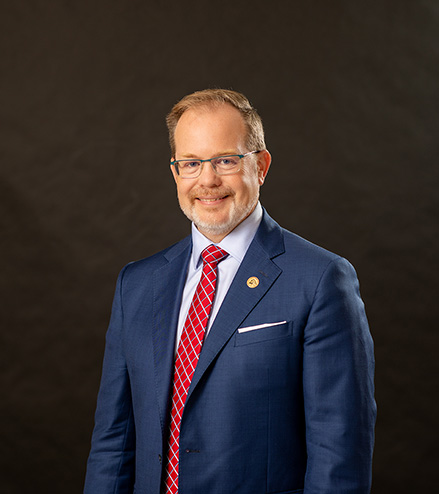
[{"x": 187, "y": 355}]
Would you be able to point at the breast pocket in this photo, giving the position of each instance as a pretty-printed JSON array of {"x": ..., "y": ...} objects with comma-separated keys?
[{"x": 263, "y": 332}]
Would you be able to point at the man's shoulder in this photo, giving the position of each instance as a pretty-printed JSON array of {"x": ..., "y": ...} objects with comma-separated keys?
[
  {"x": 293, "y": 245},
  {"x": 302, "y": 248},
  {"x": 149, "y": 264},
  {"x": 309, "y": 263},
  {"x": 304, "y": 258}
]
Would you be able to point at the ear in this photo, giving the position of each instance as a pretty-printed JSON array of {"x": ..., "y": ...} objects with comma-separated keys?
[
  {"x": 174, "y": 173},
  {"x": 264, "y": 162}
]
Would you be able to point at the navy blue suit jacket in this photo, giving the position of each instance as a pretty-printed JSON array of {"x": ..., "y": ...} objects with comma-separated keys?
[{"x": 287, "y": 408}]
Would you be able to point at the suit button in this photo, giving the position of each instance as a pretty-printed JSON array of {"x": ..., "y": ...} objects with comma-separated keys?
[{"x": 160, "y": 459}]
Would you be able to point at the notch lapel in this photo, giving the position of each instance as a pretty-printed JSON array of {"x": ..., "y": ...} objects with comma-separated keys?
[
  {"x": 168, "y": 287},
  {"x": 241, "y": 299}
]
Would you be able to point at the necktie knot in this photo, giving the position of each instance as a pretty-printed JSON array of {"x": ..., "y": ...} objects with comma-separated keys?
[{"x": 213, "y": 254}]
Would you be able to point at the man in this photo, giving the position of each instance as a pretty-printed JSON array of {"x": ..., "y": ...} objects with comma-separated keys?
[{"x": 238, "y": 360}]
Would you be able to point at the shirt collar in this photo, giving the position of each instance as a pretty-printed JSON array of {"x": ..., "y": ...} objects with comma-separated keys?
[{"x": 235, "y": 243}]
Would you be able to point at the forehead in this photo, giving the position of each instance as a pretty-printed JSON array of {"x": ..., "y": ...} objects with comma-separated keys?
[{"x": 210, "y": 129}]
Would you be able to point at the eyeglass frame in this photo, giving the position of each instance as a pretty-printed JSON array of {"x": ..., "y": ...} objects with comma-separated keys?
[{"x": 175, "y": 163}]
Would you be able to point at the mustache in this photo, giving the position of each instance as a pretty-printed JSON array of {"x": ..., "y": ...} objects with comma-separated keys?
[{"x": 211, "y": 193}]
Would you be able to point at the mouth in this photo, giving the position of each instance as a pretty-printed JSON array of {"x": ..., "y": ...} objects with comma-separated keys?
[{"x": 211, "y": 200}]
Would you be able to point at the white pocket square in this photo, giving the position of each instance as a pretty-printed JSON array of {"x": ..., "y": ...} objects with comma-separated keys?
[{"x": 260, "y": 326}]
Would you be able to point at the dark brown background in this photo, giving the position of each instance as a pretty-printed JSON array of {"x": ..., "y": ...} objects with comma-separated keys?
[{"x": 348, "y": 91}]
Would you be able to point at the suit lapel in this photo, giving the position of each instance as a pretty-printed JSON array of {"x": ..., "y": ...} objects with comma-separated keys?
[
  {"x": 168, "y": 286},
  {"x": 241, "y": 299}
]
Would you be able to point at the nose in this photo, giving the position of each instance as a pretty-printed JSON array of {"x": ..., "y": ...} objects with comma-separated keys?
[{"x": 208, "y": 177}]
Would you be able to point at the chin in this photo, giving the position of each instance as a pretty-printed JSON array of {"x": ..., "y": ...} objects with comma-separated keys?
[{"x": 208, "y": 225}]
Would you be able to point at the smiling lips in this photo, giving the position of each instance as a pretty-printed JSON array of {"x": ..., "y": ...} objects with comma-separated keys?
[
  {"x": 206, "y": 197},
  {"x": 211, "y": 199}
]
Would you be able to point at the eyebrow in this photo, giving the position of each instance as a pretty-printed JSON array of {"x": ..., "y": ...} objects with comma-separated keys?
[{"x": 223, "y": 153}]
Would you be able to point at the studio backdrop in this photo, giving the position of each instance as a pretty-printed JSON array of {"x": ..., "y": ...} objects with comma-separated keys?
[{"x": 348, "y": 92}]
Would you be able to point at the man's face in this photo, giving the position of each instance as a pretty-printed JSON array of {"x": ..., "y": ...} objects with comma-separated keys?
[{"x": 217, "y": 204}]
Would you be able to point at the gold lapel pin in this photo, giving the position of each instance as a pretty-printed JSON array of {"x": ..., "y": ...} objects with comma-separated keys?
[{"x": 253, "y": 282}]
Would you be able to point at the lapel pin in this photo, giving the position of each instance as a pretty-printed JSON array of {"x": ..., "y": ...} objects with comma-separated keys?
[{"x": 253, "y": 282}]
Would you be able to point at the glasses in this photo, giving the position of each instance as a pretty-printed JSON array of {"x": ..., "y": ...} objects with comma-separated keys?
[{"x": 222, "y": 165}]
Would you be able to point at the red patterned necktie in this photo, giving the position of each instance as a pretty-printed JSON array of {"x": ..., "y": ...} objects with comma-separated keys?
[{"x": 187, "y": 355}]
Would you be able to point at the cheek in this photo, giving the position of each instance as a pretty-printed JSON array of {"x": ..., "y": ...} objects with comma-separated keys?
[
  {"x": 249, "y": 183},
  {"x": 182, "y": 190}
]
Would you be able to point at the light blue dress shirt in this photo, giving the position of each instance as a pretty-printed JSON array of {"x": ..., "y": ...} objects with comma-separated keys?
[{"x": 236, "y": 244}]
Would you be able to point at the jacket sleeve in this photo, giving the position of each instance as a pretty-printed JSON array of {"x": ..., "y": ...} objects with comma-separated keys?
[
  {"x": 110, "y": 466},
  {"x": 338, "y": 371}
]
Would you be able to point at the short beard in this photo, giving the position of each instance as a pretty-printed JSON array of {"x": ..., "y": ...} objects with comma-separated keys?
[{"x": 237, "y": 214}]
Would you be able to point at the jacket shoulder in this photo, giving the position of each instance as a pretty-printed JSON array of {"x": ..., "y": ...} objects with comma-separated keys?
[
  {"x": 304, "y": 249},
  {"x": 279, "y": 241},
  {"x": 147, "y": 265}
]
